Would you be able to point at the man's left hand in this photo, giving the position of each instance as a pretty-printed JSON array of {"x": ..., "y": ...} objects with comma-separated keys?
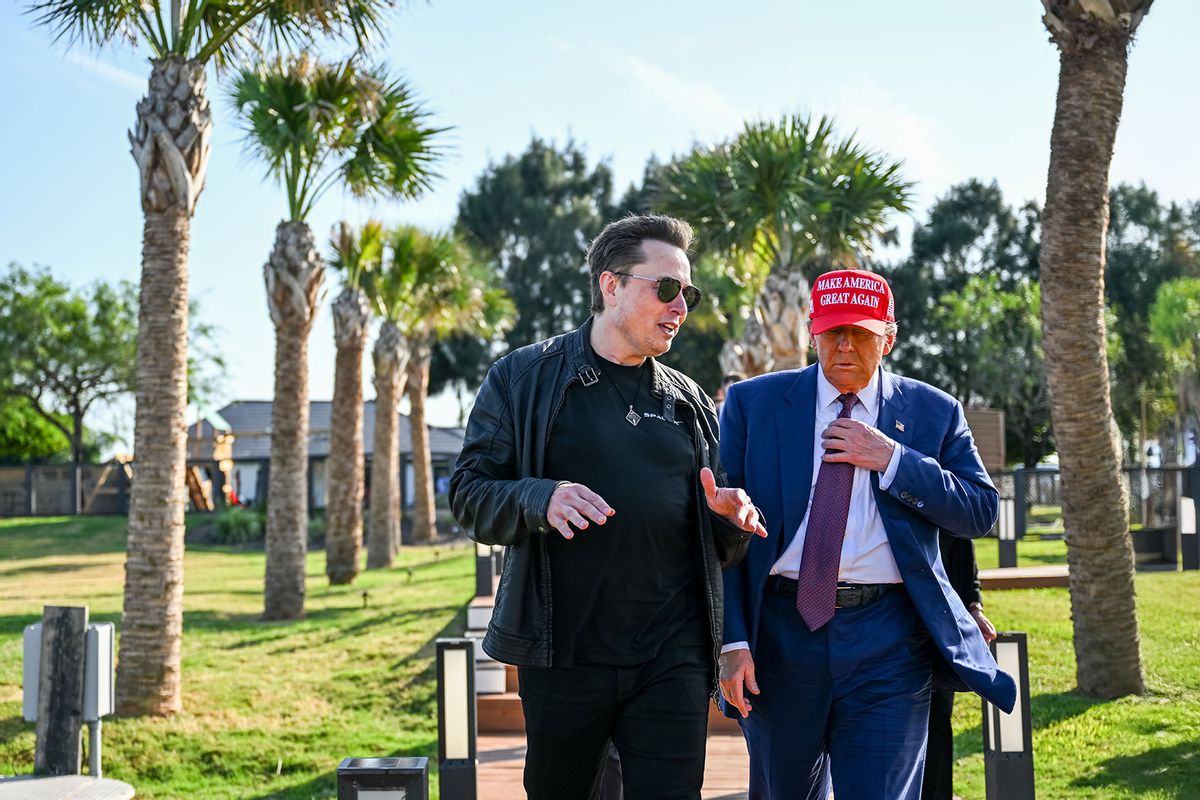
[
  {"x": 732, "y": 504},
  {"x": 858, "y": 443}
]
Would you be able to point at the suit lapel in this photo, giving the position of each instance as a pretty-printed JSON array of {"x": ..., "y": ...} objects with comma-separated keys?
[{"x": 794, "y": 425}]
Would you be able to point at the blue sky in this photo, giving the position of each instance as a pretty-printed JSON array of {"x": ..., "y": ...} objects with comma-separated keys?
[{"x": 956, "y": 90}]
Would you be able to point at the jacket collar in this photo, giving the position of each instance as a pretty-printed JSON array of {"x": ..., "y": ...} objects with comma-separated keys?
[{"x": 582, "y": 365}]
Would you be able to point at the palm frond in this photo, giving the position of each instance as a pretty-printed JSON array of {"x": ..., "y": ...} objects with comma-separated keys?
[
  {"x": 315, "y": 124},
  {"x": 99, "y": 22},
  {"x": 239, "y": 31},
  {"x": 786, "y": 192},
  {"x": 396, "y": 149},
  {"x": 356, "y": 253},
  {"x": 433, "y": 286}
]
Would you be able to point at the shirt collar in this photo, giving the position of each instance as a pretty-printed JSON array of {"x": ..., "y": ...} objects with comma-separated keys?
[{"x": 868, "y": 397}]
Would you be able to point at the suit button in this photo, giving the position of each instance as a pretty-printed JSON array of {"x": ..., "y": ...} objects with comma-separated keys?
[
  {"x": 921, "y": 504},
  {"x": 541, "y": 530}
]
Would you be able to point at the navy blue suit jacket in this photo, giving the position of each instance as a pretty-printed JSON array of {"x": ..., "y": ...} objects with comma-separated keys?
[{"x": 766, "y": 448}]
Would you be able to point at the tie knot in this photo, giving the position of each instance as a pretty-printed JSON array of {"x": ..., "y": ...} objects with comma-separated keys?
[{"x": 848, "y": 401}]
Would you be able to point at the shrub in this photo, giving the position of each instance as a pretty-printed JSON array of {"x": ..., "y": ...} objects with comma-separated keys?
[
  {"x": 316, "y": 531},
  {"x": 237, "y": 525}
]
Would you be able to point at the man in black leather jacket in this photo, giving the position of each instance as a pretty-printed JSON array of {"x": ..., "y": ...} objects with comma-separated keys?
[{"x": 599, "y": 468}]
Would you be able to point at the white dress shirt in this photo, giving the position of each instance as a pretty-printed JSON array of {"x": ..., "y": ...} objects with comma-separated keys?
[{"x": 866, "y": 553}]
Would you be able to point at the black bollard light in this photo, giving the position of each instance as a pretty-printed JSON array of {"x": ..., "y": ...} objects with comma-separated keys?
[
  {"x": 456, "y": 719},
  {"x": 1006, "y": 527},
  {"x": 383, "y": 779},
  {"x": 1008, "y": 738},
  {"x": 1189, "y": 541}
]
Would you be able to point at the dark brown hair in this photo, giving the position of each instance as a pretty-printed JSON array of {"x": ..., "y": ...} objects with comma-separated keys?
[{"x": 619, "y": 245}]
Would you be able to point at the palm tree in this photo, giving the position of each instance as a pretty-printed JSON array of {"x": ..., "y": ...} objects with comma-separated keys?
[
  {"x": 388, "y": 289},
  {"x": 1093, "y": 40},
  {"x": 458, "y": 296},
  {"x": 316, "y": 125},
  {"x": 355, "y": 253},
  {"x": 433, "y": 287},
  {"x": 170, "y": 144},
  {"x": 793, "y": 196}
]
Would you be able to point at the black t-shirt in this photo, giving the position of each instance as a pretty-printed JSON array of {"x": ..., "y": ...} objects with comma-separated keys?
[{"x": 624, "y": 589}]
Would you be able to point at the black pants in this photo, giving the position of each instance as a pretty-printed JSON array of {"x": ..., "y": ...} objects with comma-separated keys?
[
  {"x": 656, "y": 715},
  {"x": 939, "y": 753}
]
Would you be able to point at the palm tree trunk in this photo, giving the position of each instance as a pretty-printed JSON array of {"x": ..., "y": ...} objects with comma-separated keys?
[
  {"x": 1095, "y": 506},
  {"x": 343, "y": 514},
  {"x": 424, "y": 511},
  {"x": 170, "y": 143},
  {"x": 293, "y": 276},
  {"x": 783, "y": 304},
  {"x": 391, "y": 361}
]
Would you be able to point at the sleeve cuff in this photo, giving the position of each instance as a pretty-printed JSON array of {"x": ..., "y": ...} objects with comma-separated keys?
[
  {"x": 729, "y": 648},
  {"x": 889, "y": 474}
]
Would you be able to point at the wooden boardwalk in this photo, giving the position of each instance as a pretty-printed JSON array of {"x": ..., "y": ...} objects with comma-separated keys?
[
  {"x": 63, "y": 787},
  {"x": 1039, "y": 577},
  {"x": 502, "y": 761}
]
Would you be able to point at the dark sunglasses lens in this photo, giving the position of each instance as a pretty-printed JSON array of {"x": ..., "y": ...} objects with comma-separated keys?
[{"x": 669, "y": 288}]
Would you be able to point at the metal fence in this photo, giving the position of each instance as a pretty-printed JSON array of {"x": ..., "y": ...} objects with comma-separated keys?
[
  {"x": 44, "y": 490},
  {"x": 1154, "y": 497}
]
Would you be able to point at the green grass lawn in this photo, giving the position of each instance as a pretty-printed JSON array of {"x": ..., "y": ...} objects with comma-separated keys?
[
  {"x": 269, "y": 709},
  {"x": 1031, "y": 552}
]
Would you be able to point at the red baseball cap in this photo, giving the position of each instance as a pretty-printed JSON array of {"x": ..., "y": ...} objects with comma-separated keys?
[{"x": 851, "y": 297}]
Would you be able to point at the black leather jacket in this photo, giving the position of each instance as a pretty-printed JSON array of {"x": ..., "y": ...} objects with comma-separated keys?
[{"x": 498, "y": 492}]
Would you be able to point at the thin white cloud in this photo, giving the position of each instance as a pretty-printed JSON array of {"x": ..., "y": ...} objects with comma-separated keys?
[
  {"x": 708, "y": 112},
  {"x": 108, "y": 72},
  {"x": 561, "y": 46},
  {"x": 881, "y": 122}
]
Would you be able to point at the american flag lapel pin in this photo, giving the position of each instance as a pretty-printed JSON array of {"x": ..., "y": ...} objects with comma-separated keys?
[{"x": 900, "y": 426}]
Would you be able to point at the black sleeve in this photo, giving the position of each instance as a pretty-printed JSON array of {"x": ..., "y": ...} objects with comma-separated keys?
[
  {"x": 958, "y": 557},
  {"x": 487, "y": 495}
]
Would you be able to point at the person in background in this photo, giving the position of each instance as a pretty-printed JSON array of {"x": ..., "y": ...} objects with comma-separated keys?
[
  {"x": 958, "y": 557},
  {"x": 729, "y": 380}
]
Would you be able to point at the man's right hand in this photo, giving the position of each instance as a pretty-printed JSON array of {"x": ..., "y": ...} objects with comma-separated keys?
[
  {"x": 575, "y": 504},
  {"x": 736, "y": 670}
]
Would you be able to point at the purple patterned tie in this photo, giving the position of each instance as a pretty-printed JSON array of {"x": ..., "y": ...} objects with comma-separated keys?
[{"x": 816, "y": 592}]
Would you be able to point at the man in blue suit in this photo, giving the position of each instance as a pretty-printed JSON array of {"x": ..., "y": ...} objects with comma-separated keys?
[{"x": 835, "y": 623}]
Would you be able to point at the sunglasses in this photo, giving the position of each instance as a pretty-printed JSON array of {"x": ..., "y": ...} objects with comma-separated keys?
[{"x": 669, "y": 289}]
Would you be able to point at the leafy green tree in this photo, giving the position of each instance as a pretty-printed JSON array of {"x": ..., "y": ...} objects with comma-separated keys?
[
  {"x": 974, "y": 247},
  {"x": 25, "y": 435},
  {"x": 316, "y": 126},
  {"x": 1148, "y": 245},
  {"x": 970, "y": 231},
  {"x": 796, "y": 198},
  {"x": 1175, "y": 323},
  {"x": 1175, "y": 328},
  {"x": 992, "y": 355},
  {"x": 532, "y": 217},
  {"x": 170, "y": 143},
  {"x": 66, "y": 351},
  {"x": 1093, "y": 38}
]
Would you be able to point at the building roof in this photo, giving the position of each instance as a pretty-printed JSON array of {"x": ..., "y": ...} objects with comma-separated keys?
[{"x": 250, "y": 421}]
